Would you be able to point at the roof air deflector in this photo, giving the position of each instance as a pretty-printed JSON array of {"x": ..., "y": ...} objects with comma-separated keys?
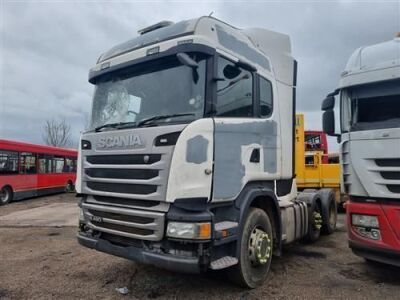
[{"x": 155, "y": 27}]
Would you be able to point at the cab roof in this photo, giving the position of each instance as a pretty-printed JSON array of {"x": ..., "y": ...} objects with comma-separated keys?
[
  {"x": 268, "y": 49},
  {"x": 378, "y": 62}
]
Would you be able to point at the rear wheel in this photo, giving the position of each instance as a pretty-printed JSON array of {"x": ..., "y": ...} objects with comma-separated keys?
[
  {"x": 314, "y": 225},
  {"x": 6, "y": 195},
  {"x": 330, "y": 215},
  {"x": 255, "y": 250}
]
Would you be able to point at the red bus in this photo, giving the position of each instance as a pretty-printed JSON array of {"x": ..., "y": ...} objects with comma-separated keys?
[{"x": 28, "y": 170}]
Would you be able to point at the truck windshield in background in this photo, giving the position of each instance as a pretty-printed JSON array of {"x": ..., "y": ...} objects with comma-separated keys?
[
  {"x": 375, "y": 106},
  {"x": 169, "y": 88}
]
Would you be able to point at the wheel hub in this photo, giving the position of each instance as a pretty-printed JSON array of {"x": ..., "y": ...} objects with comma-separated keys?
[
  {"x": 317, "y": 220},
  {"x": 260, "y": 247}
]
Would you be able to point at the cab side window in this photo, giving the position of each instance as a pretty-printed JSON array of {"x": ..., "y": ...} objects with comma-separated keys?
[
  {"x": 266, "y": 96},
  {"x": 234, "y": 90}
]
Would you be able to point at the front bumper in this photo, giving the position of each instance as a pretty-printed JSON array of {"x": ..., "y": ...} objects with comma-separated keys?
[
  {"x": 376, "y": 254},
  {"x": 165, "y": 261},
  {"x": 387, "y": 248}
]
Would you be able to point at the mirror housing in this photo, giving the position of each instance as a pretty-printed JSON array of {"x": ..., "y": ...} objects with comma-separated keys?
[
  {"x": 328, "y": 122},
  {"x": 328, "y": 103}
]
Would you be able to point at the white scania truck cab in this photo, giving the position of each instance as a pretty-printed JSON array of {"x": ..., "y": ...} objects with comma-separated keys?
[{"x": 189, "y": 161}]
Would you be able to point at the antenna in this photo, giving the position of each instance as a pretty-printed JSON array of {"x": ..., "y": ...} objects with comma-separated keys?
[{"x": 211, "y": 13}]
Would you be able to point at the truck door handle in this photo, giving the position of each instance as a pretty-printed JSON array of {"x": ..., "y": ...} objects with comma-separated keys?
[{"x": 255, "y": 156}]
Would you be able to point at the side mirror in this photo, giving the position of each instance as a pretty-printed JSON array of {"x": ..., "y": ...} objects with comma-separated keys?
[
  {"x": 328, "y": 122},
  {"x": 328, "y": 103}
]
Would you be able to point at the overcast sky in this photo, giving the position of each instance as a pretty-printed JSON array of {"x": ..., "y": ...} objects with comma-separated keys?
[{"x": 47, "y": 48}]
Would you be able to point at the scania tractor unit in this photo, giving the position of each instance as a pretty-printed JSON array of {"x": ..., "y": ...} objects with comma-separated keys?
[
  {"x": 188, "y": 163},
  {"x": 368, "y": 100}
]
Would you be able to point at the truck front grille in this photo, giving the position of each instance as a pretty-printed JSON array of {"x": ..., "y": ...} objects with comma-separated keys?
[
  {"x": 121, "y": 217},
  {"x": 140, "y": 176},
  {"x": 394, "y": 188},
  {"x": 124, "y": 159},
  {"x": 124, "y": 202},
  {"x": 130, "y": 223},
  {"x": 122, "y": 173},
  {"x": 138, "y": 189},
  {"x": 122, "y": 228},
  {"x": 389, "y": 170},
  {"x": 346, "y": 166},
  {"x": 388, "y": 162}
]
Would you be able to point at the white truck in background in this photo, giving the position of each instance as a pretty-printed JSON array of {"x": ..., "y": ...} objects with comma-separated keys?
[
  {"x": 189, "y": 161},
  {"x": 367, "y": 121}
]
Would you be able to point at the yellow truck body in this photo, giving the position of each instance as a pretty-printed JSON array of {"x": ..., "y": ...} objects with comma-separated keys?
[{"x": 311, "y": 172}]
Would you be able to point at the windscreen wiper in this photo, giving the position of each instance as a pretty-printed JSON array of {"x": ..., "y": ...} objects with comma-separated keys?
[
  {"x": 117, "y": 125},
  {"x": 161, "y": 117}
]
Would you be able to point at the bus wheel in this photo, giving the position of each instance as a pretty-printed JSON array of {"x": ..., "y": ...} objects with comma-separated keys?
[
  {"x": 255, "y": 250},
  {"x": 6, "y": 195},
  {"x": 69, "y": 188}
]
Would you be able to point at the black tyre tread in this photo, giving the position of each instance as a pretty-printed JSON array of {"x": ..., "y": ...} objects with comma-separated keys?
[
  {"x": 326, "y": 227},
  {"x": 10, "y": 197}
]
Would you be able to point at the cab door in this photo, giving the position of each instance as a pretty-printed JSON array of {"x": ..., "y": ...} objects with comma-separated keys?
[{"x": 246, "y": 143}]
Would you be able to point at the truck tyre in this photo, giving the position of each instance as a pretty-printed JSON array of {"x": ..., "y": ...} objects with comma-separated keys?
[
  {"x": 255, "y": 256},
  {"x": 6, "y": 195},
  {"x": 314, "y": 225},
  {"x": 328, "y": 210}
]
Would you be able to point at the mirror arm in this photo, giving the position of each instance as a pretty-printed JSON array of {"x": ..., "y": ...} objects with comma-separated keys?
[{"x": 245, "y": 65}]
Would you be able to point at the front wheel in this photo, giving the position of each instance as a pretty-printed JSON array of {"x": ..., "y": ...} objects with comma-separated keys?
[
  {"x": 256, "y": 243},
  {"x": 5, "y": 195}
]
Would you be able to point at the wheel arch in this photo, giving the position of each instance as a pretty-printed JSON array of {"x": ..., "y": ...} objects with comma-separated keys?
[
  {"x": 265, "y": 199},
  {"x": 7, "y": 185}
]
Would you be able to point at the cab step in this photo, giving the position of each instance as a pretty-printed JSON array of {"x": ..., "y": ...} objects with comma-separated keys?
[{"x": 223, "y": 262}]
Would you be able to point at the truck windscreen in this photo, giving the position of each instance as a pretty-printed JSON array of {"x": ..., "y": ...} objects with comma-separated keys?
[
  {"x": 376, "y": 106},
  {"x": 163, "y": 88}
]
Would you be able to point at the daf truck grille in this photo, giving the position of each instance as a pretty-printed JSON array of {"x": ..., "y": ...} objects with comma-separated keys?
[{"x": 129, "y": 223}]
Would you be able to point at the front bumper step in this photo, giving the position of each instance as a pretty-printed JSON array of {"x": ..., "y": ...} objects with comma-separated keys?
[{"x": 223, "y": 262}]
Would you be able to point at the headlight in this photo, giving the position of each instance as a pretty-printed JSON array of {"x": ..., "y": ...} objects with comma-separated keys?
[
  {"x": 365, "y": 221},
  {"x": 193, "y": 231}
]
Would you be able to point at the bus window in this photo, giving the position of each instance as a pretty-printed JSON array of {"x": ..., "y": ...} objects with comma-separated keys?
[
  {"x": 28, "y": 163},
  {"x": 74, "y": 165},
  {"x": 8, "y": 162},
  {"x": 58, "y": 164},
  {"x": 44, "y": 164},
  {"x": 68, "y": 165}
]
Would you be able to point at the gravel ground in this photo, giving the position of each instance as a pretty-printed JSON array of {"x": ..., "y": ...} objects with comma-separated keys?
[{"x": 48, "y": 263}]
